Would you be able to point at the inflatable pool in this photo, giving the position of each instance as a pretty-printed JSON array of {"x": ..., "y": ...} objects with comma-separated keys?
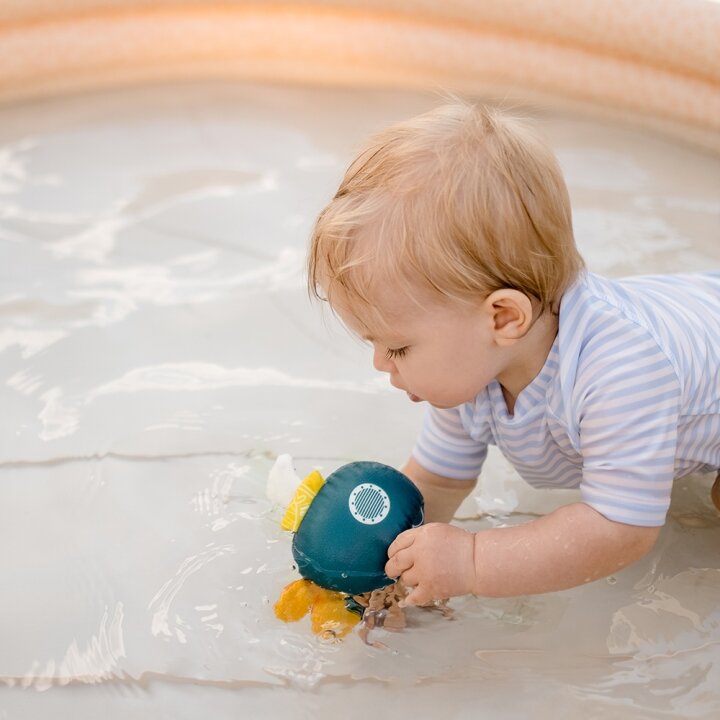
[{"x": 655, "y": 62}]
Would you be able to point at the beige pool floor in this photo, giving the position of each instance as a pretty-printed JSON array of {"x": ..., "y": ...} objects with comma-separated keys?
[{"x": 158, "y": 351}]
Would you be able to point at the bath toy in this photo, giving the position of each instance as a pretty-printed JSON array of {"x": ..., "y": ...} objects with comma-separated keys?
[
  {"x": 342, "y": 529},
  {"x": 344, "y": 525}
]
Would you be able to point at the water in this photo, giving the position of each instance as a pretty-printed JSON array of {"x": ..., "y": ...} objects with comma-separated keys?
[{"x": 158, "y": 351}]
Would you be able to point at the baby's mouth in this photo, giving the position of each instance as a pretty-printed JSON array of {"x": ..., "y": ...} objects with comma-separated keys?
[{"x": 412, "y": 397}]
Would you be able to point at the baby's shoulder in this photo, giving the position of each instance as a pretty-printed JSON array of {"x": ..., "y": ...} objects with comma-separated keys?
[
  {"x": 606, "y": 335},
  {"x": 631, "y": 332},
  {"x": 593, "y": 311},
  {"x": 661, "y": 307}
]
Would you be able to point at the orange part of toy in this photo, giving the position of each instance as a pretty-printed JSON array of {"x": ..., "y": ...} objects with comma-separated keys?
[
  {"x": 331, "y": 618},
  {"x": 296, "y": 599}
]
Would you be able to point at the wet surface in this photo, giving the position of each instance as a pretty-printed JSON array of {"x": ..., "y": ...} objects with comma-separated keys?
[{"x": 158, "y": 351}]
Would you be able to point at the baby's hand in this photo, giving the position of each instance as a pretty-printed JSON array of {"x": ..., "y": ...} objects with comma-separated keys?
[{"x": 436, "y": 560}]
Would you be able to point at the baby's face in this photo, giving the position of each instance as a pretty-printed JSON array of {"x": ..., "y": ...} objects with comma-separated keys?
[{"x": 440, "y": 351}]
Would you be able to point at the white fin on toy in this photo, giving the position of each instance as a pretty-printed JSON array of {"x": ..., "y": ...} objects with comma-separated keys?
[{"x": 282, "y": 481}]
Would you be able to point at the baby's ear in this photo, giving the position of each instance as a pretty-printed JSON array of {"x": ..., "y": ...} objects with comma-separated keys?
[{"x": 512, "y": 314}]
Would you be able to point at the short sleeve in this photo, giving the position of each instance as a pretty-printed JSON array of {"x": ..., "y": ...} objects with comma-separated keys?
[
  {"x": 445, "y": 448},
  {"x": 629, "y": 406}
]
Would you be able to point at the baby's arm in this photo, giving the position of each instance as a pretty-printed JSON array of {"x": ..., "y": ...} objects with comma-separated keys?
[
  {"x": 570, "y": 546},
  {"x": 442, "y": 495}
]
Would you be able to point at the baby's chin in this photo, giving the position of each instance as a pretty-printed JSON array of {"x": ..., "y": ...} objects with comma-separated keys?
[
  {"x": 440, "y": 406},
  {"x": 447, "y": 405}
]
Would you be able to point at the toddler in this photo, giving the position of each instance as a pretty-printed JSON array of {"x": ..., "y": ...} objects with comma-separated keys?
[{"x": 449, "y": 248}]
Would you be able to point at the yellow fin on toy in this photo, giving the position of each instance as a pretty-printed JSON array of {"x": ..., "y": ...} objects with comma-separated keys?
[
  {"x": 304, "y": 495},
  {"x": 296, "y": 600},
  {"x": 330, "y": 618}
]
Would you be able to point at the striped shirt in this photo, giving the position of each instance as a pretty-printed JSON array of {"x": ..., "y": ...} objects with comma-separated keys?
[{"x": 627, "y": 401}]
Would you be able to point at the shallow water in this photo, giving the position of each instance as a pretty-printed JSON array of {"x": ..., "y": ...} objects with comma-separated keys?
[{"x": 158, "y": 351}]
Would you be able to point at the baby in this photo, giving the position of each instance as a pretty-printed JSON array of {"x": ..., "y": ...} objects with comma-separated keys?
[{"x": 449, "y": 248}]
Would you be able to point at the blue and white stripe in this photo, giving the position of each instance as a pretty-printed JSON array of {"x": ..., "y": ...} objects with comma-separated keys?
[{"x": 628, "y": 399}]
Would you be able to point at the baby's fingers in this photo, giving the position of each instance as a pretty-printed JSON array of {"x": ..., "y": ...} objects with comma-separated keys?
[
  {"x": 403, "y": 541},
  {"x": 398, "y": 564},
  {"x": 418, "y": 596}
]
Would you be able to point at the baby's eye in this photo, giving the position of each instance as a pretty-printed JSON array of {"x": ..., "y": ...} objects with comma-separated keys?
[{"x": 395, "y": 353}]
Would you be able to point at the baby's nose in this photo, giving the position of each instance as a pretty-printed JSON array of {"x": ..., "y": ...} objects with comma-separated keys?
[{"x": 381, "y": 362}]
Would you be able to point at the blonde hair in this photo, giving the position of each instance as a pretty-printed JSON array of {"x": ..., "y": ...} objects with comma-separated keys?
[{"x": 463, "y": 200}]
